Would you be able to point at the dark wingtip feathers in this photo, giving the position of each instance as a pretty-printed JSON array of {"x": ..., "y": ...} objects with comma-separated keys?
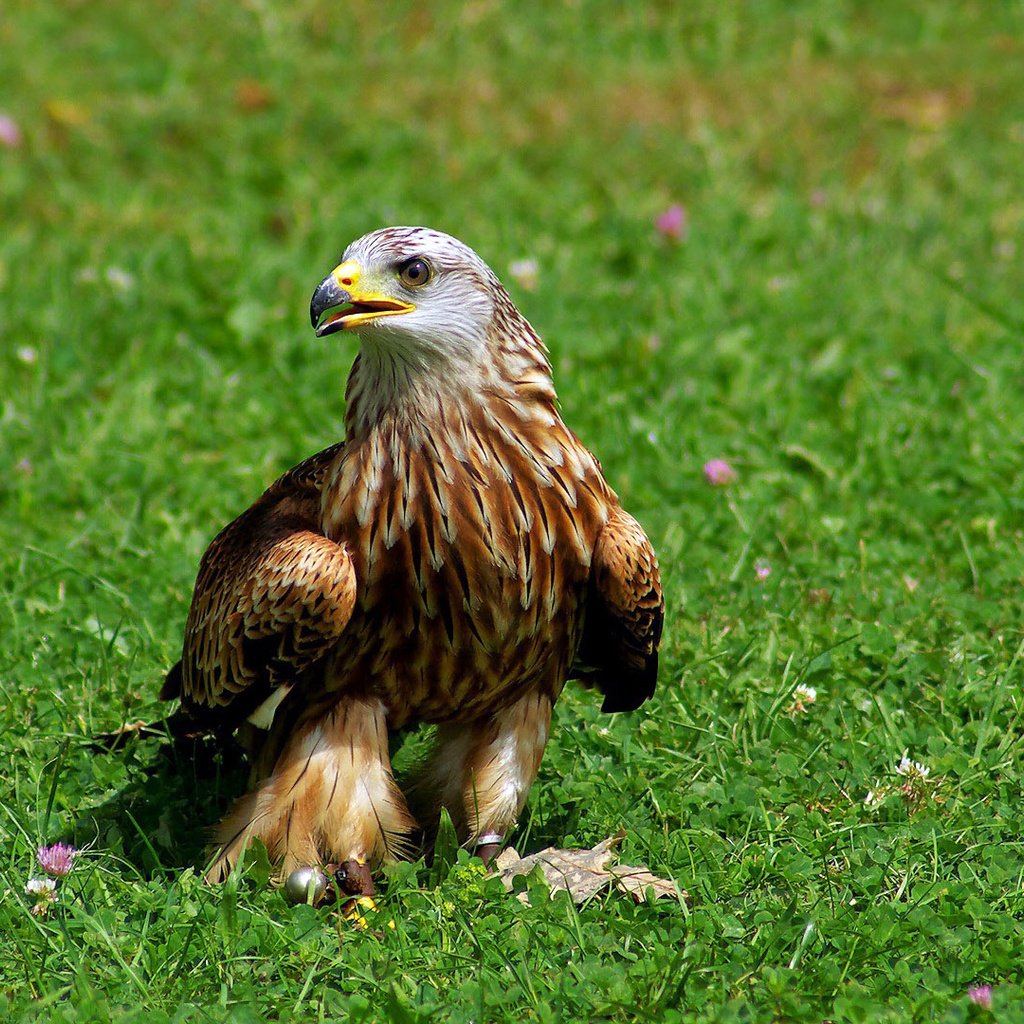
[
  {"x": 631, "y": 690},
  {"x": 171, "y": 690}
]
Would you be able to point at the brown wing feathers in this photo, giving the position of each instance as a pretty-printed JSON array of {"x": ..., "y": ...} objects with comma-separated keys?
[
  {"x": 272, "y": 597},
  {"x": 624, "y": 616}
]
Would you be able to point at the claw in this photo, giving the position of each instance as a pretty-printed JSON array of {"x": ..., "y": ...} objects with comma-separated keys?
[{"x": 354, "y": 879}]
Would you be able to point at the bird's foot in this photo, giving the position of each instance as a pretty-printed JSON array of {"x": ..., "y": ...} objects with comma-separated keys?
[
  {"x": 487, "y": 847},
  {"x": 355, "y": 890},
  {"x": 353, "y": 887},
  {"x": 354, "y": 879}
]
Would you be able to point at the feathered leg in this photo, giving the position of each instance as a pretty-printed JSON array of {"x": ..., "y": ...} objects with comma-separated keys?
[
  {"x": 330, "y": 795},
  {"x": 482, "y": 772}
]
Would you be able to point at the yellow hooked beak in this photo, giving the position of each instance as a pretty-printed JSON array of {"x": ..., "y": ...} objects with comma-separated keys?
[{"x": 347, "y": 304}]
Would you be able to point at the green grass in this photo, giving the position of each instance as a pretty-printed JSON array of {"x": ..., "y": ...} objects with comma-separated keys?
[{"x": 843, "y": 323}]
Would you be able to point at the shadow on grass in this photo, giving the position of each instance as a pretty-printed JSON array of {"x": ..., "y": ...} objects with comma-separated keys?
[
  {"x": 178, "y": 788},
  {"x": 537, "y": 831}
]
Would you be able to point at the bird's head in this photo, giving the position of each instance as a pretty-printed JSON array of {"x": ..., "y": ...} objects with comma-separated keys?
[
  {"x": 412, "y": 292},
  {"x": 436, "y": 328}
]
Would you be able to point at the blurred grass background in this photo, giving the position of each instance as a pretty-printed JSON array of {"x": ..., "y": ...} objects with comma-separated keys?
[{"x": 842, "y": 320}]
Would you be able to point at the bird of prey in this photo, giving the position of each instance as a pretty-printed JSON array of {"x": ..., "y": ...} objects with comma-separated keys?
[{"x": 454, "y": 560}]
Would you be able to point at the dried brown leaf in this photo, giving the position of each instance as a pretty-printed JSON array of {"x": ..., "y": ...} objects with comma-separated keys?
[
  {"x": 638, "y": 882},
  {"x": 585, "y": 873}
]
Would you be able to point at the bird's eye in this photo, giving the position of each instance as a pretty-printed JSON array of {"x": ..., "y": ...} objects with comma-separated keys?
[{"x": 415, "y": 272}]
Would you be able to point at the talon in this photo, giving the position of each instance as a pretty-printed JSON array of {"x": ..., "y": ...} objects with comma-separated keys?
[{"x": 354, "y": 879}]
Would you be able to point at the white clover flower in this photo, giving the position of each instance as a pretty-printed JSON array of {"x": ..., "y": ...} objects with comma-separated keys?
[
  {"x": 803, "y": 697},
  {"x": 875, "y": 798},
  {"x": 916, "y": 787},
  {"x": 912, "y": 769},
  {"x": 45, "y": 892},
  {"x": 835, "y": 866},
  {"x": 119, "y": 278}
]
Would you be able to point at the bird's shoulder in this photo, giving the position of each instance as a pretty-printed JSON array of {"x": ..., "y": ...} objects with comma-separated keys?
[
  {"x": 273, "y": 594},
  {"x": 307, "y": 479}
]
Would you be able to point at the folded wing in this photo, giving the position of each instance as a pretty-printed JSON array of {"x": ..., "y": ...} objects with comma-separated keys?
[
  {"x": 624, "y": 616},
  {"x": 272, "y": 597}
]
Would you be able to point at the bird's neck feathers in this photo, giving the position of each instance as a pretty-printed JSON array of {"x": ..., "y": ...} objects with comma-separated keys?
[{"x": 418, "y": 387}]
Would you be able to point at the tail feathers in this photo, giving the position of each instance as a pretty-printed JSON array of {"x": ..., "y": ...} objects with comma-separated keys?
[{"x": 331, "y": 795}]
